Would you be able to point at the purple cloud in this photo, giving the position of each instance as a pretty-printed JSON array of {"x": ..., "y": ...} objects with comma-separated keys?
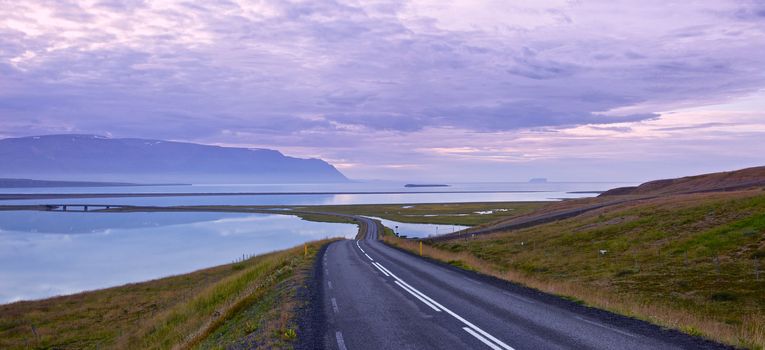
[{"x": 331, "y": 70}]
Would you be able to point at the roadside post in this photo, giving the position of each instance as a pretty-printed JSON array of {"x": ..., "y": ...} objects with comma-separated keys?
[
  {"x": 305, "y": 249},
  {"x": 420, "y": 248}
]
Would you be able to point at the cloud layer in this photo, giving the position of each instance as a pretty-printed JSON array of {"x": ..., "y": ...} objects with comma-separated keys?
[{"x": 330, "y": 74}]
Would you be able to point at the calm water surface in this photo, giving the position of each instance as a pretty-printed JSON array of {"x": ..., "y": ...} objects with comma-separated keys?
[
  {"x": 43, "y": 254},
  {"x": 51, "y": 253},
  {"x": 419, "y": 230},
  {"x": 521, "y": 192}
]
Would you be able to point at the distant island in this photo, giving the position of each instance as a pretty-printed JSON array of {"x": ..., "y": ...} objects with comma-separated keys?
[
  {"x": 96, "y": 158},
  {"x": 538, "y": 180},
  {"x": 29, "y": 183},
  {"x": 426, "y": 185}
]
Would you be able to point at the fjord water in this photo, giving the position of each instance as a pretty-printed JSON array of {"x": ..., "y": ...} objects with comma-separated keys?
[
  {"x": 43, "y": 254},
  {"x": 418, "y": 230},
  {"x": 326, "y": 194}
]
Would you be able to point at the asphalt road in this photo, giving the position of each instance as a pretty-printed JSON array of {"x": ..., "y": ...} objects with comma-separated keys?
[{"x": 378, "y": 297}]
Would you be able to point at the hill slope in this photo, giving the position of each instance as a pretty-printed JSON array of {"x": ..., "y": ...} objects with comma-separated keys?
[
  {"x": 96, "y": 158},
  {"x": 724, "y": 181},
  {"x": 689, "y": 261}
]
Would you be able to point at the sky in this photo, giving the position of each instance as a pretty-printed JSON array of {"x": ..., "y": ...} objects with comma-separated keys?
[{"x": 432, "y": 90}]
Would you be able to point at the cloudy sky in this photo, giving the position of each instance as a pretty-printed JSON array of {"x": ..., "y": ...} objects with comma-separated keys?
[{"x": 425, "y": 89}]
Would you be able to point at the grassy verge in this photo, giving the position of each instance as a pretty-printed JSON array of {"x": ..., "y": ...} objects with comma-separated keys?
[
  {"x": 468, "y": 214},
  {"x": 210, "y": 308},
  {"x": 690, "y": 262}
]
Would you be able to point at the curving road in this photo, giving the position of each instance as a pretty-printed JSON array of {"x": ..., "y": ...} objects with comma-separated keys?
[{"x": 378, "y": 297}]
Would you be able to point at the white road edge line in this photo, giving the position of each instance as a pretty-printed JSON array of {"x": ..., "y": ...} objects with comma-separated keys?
[
  {"x": 474, "y": 327},
  {"x": 472, "y": 280},
  {"x": 340, "y": 341},
  {"x": 334, "y": 306},
  {"x": 519, "y": 298},
  {"x": 606, "y": 327},
  {"x": 450, "y": 312},
  {"x": 482, "y": 339},
  {"x": 418, "y": 297},
  {"x": 381, "y": 270},
  {"x": 409, "y": 286}
]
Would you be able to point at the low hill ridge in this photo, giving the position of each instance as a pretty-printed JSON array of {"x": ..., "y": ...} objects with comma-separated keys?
[{"x": 723, "y": 181}]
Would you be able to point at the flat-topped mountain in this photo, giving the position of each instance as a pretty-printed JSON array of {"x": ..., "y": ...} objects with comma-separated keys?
[
  {"x": 97, "y": 158},
  {"x": 723, "y": 181}
]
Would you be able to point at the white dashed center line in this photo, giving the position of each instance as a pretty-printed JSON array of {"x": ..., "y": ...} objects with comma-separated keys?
[{"x": 340, "y": 341}]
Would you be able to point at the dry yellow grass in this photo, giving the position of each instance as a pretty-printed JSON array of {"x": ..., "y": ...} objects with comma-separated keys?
[{"x": 170, "y": 313}]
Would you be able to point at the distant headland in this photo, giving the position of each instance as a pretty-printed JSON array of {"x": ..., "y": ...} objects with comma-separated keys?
[
  {"x": 29, "y": 183},
  {"x": 73, "y": 157}
]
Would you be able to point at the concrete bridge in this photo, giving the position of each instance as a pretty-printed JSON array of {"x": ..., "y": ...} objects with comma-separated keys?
[{"x": 81, "y": 207}]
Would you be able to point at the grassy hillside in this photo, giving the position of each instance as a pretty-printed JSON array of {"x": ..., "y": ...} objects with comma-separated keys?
[
  {"x": 693, "y": 262},
  {"x": 724, "y": 181},
  {"x": 249, "y": 301}
]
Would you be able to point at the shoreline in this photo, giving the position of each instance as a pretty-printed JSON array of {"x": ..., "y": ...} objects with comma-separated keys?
[{"x": 23, "y": 196}]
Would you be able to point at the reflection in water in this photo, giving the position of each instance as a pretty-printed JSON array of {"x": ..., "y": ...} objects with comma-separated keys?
[
  {"x": 356, "y": 186},
  {"x": 544, "y": 192},
  {"x": 97, "y": 250},
  {"x": 419, "y": 230},
  {"x": 93, "y": 222},
  {"x": 312, "y": 199}
]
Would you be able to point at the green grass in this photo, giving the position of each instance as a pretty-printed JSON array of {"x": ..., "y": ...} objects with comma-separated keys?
[
  {"x": 692, "y": 258},
  {"x": 210, "y": 308},
  {"x": 686, "y": 262},
  {"x": 439, "y": 213},
  {"x": 325, "y": 218},
  {"x": 461, "y": 264},
  {"x": 467, "y": 214},
  {"x": 263, "y": 322}
]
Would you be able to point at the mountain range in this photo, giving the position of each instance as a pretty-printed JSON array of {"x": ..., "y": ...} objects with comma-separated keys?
[{"x": 97, "y": 158}]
